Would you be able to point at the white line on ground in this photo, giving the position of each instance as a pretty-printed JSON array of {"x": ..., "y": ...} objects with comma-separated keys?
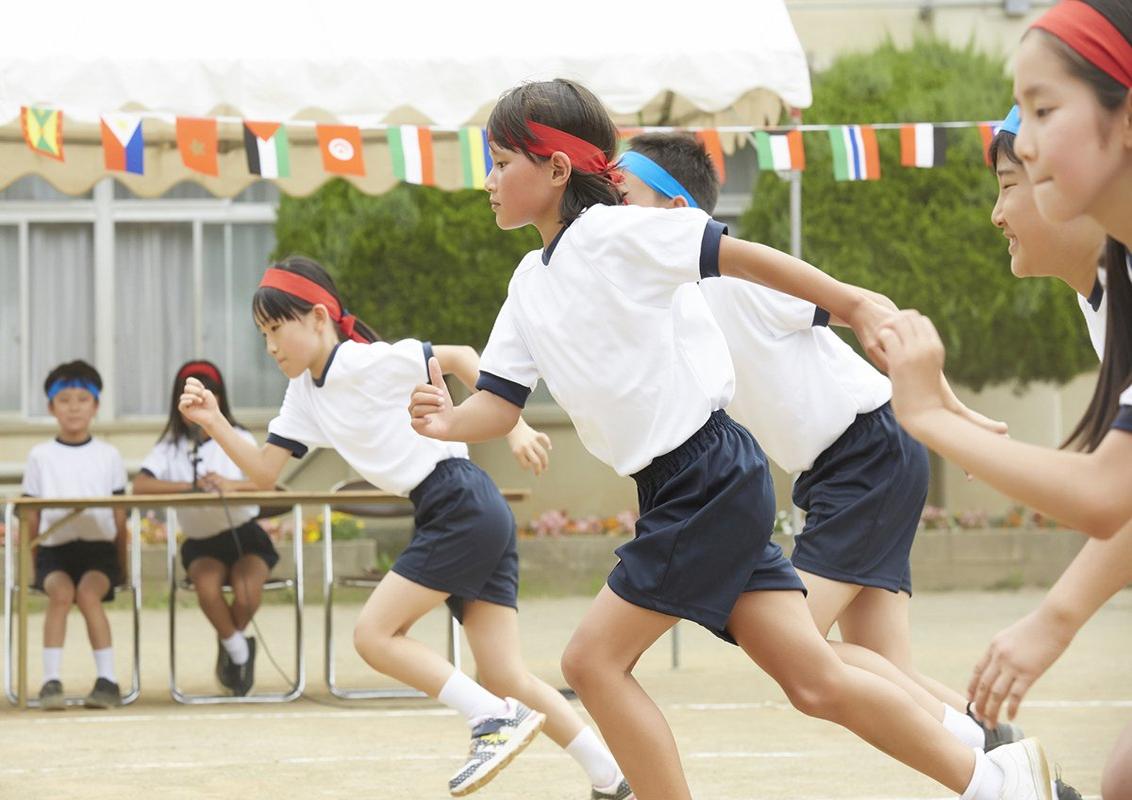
[
  {"x": 59, "y": 719},
  {"x": 785, "y": 706}
]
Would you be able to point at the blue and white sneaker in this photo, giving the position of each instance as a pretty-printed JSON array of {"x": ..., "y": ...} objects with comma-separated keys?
[
  {"x": 495, "y": 742},
  {"x": 619, "y": 791}
]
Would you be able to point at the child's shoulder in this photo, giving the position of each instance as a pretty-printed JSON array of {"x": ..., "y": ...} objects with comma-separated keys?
[{"x": 602, "y": 220}]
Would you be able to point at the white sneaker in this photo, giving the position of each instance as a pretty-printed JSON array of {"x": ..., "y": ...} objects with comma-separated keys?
[
  {"x": 495, "y": 742},
  {"x": 1026, "y": 770}
]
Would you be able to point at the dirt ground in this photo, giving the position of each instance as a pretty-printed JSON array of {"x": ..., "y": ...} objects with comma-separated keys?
[{"x": 737, "y": 736}]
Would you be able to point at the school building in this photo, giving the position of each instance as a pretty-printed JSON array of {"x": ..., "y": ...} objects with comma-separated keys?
[{"x": 137, "y": 286}]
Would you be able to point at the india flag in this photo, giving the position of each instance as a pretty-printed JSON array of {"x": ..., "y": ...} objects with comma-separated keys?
[
  {"x": 780, "y": 151},
  {"x": 475, "y": 158},
  {"x": 855, "y": 154},
  {"x": 411, "y": 149},
  {"x": 267, "y": 149},
  {"x": 923, "y": 145}
]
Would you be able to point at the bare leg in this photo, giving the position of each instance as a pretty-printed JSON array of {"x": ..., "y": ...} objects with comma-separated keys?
[
  {"x": 878, "y": 619},
  {"x": 60, "y": 597},
  {"x": 775, "y": 630},
  {"x": 92, "y": 587},
  {"x": 827, "y": 599},
  {"x": 207, "y": 575},
  {"x": 598, "y": 664},
  {"x": 1116, "y": 783},
  {"x": 247, "y": 577},
  {"x": 493, "y": 634},
  {"x": 380, "y": 635}
]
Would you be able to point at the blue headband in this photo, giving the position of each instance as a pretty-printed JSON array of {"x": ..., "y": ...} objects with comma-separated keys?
[
  {"x": 655, "y": 176},
  {"x": 71, "y": 383},
  {"x": 1012, "y": 122}
]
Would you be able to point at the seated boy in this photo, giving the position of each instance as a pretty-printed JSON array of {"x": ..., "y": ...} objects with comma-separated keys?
[{"x": 81, "y": 561}]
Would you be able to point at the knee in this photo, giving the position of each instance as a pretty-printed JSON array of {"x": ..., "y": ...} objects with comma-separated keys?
[
  {"x": 580, "y": 667},
  {"x": 817, "y": 695},
  {"x": 88, "y": 599},
  {"x": 61, "y": 598},
  {"x": 371, "y": 643}
]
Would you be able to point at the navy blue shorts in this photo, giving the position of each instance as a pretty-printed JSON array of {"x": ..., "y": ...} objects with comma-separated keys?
[
  {"x": 76, "y": 559},
  {"x": 464, "y": 538},
  {"x": 863, "y": 500},
  {"x": 703, "y": 539},
  {"x": 253, "y": 540}
]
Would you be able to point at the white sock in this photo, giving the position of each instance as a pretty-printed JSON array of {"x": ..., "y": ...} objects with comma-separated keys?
[
  {"x": 595, "y": 759},
  {"x": 986, "y": 783},
  {"x": 237, "y": 647},
  {"x": 963, "y": 728},
  {"x": 470, "y": 699},
  {"x": 52, "y": 664},
  {"x": 104, "y": 663}
]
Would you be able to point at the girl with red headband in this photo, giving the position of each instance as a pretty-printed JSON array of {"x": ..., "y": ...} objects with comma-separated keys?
[
  {"x": 1073, "y": 76},
  {"x": 221, "y": 546},
  {"x": 609, "y": 315},
  {"x": 348, "y": 391}
]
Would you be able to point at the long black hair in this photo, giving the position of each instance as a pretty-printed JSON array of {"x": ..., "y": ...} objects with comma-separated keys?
[
  {"x": 208, "y": 374},
  {"x": 569, "y": 107},
  {"x": 1116, "y": 366},
  {"x": 270, "y": 305}
]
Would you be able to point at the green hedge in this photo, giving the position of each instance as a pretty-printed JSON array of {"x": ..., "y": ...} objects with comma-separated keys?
[
  {"x": 415, "y": 261},
  {"x": 923, "y": 236}
]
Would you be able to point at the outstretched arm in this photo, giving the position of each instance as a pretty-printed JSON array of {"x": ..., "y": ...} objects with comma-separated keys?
[
  {"x": 262, "y": 465},
  {"x": 480, "y": 418},
  {"x": 1087, "y": 491}
]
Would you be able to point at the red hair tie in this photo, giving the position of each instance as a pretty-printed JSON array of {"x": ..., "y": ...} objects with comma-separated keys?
[
  {"x": 583, "y": 155},
  {"x": 199, "y": 368},
  {"x": 1089, "y": 33},
  {"x": 308, "y": 291}
]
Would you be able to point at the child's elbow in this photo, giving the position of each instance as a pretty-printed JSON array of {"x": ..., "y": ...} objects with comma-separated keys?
[{"x": 1104, "y": 523}]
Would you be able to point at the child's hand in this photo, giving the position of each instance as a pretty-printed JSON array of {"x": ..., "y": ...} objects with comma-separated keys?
[
  {"x": 915, "y": 364},
  {"x": 215, "y": 482},
  {"x": 866, "y": 322},
  {"x": 198, "y": 405},
  {"x": 531, "y": 448},
  {"x": 430, "y": 405},
  {"x": 985, "y": 422}
]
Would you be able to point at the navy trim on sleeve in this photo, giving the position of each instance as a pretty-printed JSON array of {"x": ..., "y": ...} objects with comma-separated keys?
[
  {"x": 427, "y": 346},
  {"x": 514, "y": 393},
  {"x": 821, "y": 317},
  {"x": 709, "y": 248},
  {"x": 1123, "y": 421},
  {"x": 1096, "y": 297},
  {"x": 119, "y": 491},
  {"x": 146, "y": 471},
  {"x": 298, "y": 449}
]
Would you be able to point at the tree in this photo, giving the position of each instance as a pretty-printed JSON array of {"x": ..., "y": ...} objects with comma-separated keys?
[
  {"x": 924, "y": 236},
  {"x": 415, "y": 261}
]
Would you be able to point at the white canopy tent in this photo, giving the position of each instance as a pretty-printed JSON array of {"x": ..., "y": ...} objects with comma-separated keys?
[{"x": 370, "y": 65}]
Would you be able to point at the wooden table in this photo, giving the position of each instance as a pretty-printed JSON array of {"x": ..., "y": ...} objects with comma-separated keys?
[{"x": 21, "y": 506}]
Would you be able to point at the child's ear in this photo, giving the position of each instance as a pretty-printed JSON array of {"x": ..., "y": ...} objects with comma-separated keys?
[
  {"x": 560, "y": 168},
  {"x": 678, "y": 202}
]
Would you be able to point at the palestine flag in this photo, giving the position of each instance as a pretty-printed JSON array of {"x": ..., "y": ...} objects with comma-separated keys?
[{"x": 268, "y": 153}]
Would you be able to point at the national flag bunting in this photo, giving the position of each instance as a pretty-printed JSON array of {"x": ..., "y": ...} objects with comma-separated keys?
[
  {"x": 986, "y": 131},
  {"x": 198, "y": 142},
  {"x": 341, "y": 147},
  {"x": 43, "y": 130},
  {"x": 780, "y": 151},
  {"x": 411, "y": 150},
  {"x": 269, "y": 154},
  {"x": 123, "y": 146},
  {"x": 475, "y": 157},
  {"x": 709, "y": 138},
  {"x": 923, "y": 145},
  {"x": 855, "y": 154}
]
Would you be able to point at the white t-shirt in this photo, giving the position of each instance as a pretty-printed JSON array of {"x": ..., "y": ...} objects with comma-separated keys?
[
  {"x": 360, "y": 408},
  {"x": 610, "y": 317},
  {"x": 93, "y": 469},
  {"x": 1095, "y": 310},
  {"x": 798, "y": 386},
  {"x": 172, "y": 461}
]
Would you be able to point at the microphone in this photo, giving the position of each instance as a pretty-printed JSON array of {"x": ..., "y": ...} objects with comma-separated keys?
[{"x": 196, "y": 435}]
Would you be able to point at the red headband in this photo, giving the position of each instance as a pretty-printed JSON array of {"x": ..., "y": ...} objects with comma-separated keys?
[
  {"x": 583, "y": 155},
  {"x": 1092, "y": 36},
  {"x": 307, "y": 290},
  {"x": 199, "y": 368}
]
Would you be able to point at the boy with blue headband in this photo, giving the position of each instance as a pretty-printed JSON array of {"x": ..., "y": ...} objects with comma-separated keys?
[{"x": 83, "y": 559}]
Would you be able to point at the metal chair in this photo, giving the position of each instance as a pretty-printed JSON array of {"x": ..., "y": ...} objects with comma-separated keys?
[
  {"x": 132, "y": 585},
  {"x": 385, "y": 510},
  {"x": 274, "y": 584}
]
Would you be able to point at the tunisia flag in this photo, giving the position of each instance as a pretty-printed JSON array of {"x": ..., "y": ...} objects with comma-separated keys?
[{"x": 341, "y": 147}]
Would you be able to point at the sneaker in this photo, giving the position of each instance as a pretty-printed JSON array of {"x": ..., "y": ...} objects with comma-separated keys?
[
  {"x": 620, "y": 791},
  {"x": 1026, "y": 771},
  {"x": 51, "y": 696},
  {"x": 105, "y": 694},
  {"x": 495, "y": 741},
  {"x": 1000, "y": 734},
  {"x": 243, "y": 675},
  {"x": 1063, "y": 791}
]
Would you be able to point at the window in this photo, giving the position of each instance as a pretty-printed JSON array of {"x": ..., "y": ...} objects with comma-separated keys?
[{"x": 10, "y": 286}]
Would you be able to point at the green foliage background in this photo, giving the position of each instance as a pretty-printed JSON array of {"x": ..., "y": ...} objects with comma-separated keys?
[{"x": 923, "y": 236}]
